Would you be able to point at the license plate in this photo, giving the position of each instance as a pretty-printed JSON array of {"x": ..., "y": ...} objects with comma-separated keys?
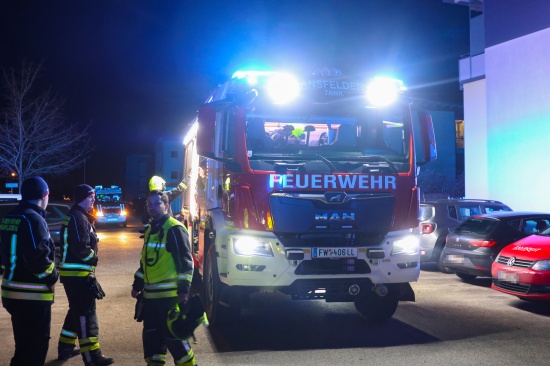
[
  {"x": 507, "y": 277},
  {"x": 334, "y": 253},
  {"x": 455, "y": 258}
]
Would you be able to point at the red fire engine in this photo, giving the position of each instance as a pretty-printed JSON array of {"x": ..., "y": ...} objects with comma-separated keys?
[{"x": 307, "y": 187}]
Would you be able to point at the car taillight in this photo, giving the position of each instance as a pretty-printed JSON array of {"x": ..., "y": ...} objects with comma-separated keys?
[
  {"x": 483, "y": 243},
  {"x": 428, "y": 228}
]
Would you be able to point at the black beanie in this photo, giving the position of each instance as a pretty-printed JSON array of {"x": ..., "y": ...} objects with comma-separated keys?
[
  {"x": 34, "y": 188},
  {"x": 81, "y": 192}
]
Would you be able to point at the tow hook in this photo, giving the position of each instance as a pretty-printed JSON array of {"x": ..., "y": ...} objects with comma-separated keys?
[
  {"x": 354, "y": 289},
  {"x": 381, "y": 290}
]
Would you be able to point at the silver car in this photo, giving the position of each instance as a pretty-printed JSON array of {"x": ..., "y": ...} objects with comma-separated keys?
[{"x": 438, "y": 217}]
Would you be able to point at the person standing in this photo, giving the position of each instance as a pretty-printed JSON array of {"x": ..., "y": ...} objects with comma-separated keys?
[
  {"x": 156, "y": 183},
  {"x": 77, "y": 271},
  {"x": 163, "y": 279},
  {"x": 28, "y": 257}
]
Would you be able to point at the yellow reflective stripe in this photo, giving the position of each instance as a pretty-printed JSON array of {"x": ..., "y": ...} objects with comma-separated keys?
[
  {"x": 160, "y": 285},
  {"x": 73, "y": 273},
  {"x": 90, "y": 256},
  {"x": 156, "y": 359},
  {"x": 188, "y": 359},
  {"x": 24, "y": 285},
  {"x": 65, "y": 340},
  {"x": 69, "y": 266},
  {"x": 47, "y": 272},
  {"x": 185, "y": 277},
  {"x": 88, "y": 344},
  {"x": 26, "y": 295},
  {"x": 160, "y": 295}
]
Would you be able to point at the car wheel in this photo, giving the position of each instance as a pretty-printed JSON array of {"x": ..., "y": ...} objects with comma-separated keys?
[
  {"x": 465, "y": 276},
  {"x": 216, "y": 312},
  {"x": 376, "y": 308},
  {"x": 440, "y": 265}
]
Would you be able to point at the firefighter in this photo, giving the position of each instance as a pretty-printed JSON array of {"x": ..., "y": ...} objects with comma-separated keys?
[
  {"x": 163, "y": 280},
  {"x": 77, "y": 270},
  {"x": 156, "y": 183},
  {"x": 28, "y": 257}
]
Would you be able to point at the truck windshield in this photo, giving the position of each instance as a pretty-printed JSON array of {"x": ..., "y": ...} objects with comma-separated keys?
[
  {"x": 370, "y": 139},
  {"x": 109, "y": 197}
]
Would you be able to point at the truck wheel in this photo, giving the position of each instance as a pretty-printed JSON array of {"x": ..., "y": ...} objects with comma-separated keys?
[
  {"x": 217, "y": 312},
  {"x": 376, "y": 308}
]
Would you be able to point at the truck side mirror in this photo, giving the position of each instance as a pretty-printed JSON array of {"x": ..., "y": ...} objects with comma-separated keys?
[
  {"x": 206, "y": 129},
  {"x": 427, "y": 138}
]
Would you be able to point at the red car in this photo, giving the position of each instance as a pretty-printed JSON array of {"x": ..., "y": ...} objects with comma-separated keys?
[{"x": 522, "y": 268}]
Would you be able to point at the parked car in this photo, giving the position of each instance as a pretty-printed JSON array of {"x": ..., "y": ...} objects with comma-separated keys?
[
  {"x": 522, "y": 268},
  {"x": 56, "y": 214},
  {"x": 473, "y": 246},
  {"x": 438, "y": 217}
]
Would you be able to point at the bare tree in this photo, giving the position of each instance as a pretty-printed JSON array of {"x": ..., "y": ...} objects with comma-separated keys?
[{"x": 35, "y": 139}]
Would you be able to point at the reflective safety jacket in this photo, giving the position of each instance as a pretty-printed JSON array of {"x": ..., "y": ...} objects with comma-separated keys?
[
  {"x": 28, "y": 255},
  {"x": 79, "y": 240},
  {"x": 166, "y": 264}
]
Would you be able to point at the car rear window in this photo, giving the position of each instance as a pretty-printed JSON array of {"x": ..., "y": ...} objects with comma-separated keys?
[{"x": 477, "y": 225}]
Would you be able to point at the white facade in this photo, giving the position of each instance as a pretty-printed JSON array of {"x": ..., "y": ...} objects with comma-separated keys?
[{"x": 507, "y": 125}]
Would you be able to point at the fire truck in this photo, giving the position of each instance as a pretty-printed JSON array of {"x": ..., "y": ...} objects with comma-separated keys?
[
  {"x": 306, "y": 187},
  {"x": 108, "y": 206}
]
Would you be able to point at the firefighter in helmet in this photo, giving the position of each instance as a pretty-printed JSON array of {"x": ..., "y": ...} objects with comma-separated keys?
[
  {"x": 156, "y": 183},
  {"x": 162, "y": 281}
]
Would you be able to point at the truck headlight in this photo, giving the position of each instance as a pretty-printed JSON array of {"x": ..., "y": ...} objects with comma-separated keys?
[
  {"x": 252, "y": 247},
  {"x": 405, "y": 245}
]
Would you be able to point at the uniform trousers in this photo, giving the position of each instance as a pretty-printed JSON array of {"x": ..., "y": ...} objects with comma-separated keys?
[
  {"x": 31, "y": 330},
  {"x": 81, "y": 319},
  {"x": 157, "y": 338}
]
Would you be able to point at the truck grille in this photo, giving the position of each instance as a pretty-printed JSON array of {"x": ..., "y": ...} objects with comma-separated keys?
[
  {"x": 518, "y": 262},
  {"x": 330, "y": 290},
  {"x": 332, "y": 266}
]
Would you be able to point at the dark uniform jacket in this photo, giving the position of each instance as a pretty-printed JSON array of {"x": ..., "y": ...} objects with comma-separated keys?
[
  {"x": 79, "y": 244},
  {"x": 28, "y": 254}
]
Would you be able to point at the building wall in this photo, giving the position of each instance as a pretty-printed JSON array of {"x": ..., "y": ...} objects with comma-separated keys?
[
  {"x": 475, "y": 141},
  {"x": 139, "y": 169},
  {"x": 518, "y": 121},
  {"x": 169, "y": 160}
]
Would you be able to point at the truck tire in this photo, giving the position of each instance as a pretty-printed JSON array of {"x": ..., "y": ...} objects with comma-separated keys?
[
  {"x": 216, "y": 312},
  {"x": 376, "y": 308}
]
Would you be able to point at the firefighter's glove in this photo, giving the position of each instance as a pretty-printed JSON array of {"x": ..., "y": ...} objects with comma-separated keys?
[
  {"x": 139, "y": 308},
  {"x": 95, "y": 287},
  {"x": 93, "y": 261},
  {"x": 185, "y": 182}
]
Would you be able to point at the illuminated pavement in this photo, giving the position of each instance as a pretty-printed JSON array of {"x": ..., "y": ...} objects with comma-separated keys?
[{"x": 451, "y": 323}]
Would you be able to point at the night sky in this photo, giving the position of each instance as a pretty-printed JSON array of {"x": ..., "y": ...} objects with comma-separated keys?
[{"x": 138, "y": 70}]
